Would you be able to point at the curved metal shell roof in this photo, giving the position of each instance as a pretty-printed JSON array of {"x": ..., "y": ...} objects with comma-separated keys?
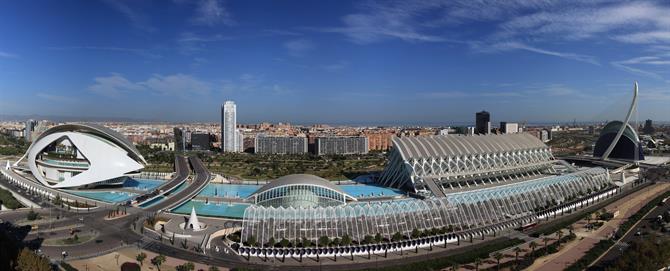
[
  {"x": 457, "y": 145},
  {"x": 614, "y": 126},
  {"x": 297, "y": 179},
  {"x": 99, "y": 130}
]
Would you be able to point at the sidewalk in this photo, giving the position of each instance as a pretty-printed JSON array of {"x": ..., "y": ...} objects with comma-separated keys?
[{"x": 626, "y": 206}]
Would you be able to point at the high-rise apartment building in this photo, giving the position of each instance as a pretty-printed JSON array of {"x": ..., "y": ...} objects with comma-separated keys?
[
  {"x": 281, "y": 144},
  {"x": 179, "y": 139},
  {"x": 648, "y": 127},
  {"x": 229, "y": 134},
  {"x": 28, "y": 130},
  {"x": 342, "y": 145},
  {"x": 483, "y": 123}
]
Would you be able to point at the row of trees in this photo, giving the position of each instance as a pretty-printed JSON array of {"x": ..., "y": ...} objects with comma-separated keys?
[{"x": 346, "y": 240}]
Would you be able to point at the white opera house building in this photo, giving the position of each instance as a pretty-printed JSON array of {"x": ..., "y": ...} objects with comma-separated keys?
[{"x": 82, "y": 155}]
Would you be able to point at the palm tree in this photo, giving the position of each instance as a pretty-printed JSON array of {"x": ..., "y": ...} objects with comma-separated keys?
[
  {"x": 559, "y": 234},
  {"x": 478, "y": 262},
  {"x": 545, "y": 239},
  {"x": 140, "y": 257},
  {"x": 516, "y": 254},
  {"x": 455, "y": 266},
  {"x": 570, "y": 228},
  {"x": 532, "y": 246},
  {"x": 157, "y": 261},
  {"x": 498, "y": 256}
]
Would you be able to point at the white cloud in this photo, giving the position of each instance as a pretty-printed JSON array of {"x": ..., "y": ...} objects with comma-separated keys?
[
  {"x": 506, "y": 46},
  {"x": 212, "y": 12},
  {"x": 7, "y": 55},
  {"x": 113, "y": 85},
  {"x": 340, "y": 65},
  {"x": 299, "y": 47},
  {"x": 139, "y": 52},
  {"x": 176, "y": 85},
  {"x": 180, "y": 85}
]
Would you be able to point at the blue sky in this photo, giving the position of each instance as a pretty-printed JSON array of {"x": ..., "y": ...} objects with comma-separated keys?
[{"x": 335, "y": 61}]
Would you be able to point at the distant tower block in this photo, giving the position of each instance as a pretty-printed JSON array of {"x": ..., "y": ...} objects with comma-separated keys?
[{"x": 193, "y": 222}]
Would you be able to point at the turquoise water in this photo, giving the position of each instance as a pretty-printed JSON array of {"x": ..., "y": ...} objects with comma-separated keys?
[
  {"x": 181, "y": 187},
  {"x": 228, "y": 190},
  {"x": 152, "y": 202},
  {"x": 235, "y": 210},
  {"x": 106, "y": 196},
  {"x": 244, "y": 190},
  {"x": 369, "y": 191},
  {"x": 142, "y": 184}
]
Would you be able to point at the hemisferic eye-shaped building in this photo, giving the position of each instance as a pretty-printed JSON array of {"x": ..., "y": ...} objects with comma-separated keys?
[
  {"x": 78, "y": 155},
  {"x": 459, "y": 183}
]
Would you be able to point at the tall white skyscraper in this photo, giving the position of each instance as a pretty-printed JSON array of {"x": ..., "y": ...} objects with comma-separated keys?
[{"x": 229, "y": 127}]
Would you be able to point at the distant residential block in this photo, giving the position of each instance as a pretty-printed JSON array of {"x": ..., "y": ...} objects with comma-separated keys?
[
  {"x": 280, "y": 145},
  {"x": 341, "y": 145}
]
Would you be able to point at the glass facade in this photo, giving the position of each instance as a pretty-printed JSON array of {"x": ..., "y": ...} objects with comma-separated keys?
[
  {"x": 457, "y": 211},
  {"x": 300, "y": 195}
]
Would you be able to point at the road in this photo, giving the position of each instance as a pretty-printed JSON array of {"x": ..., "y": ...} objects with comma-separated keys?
[
  {"x": 193, "y": 188},
  {"x": 182, "y": 171},
  {"x": 622, "y": 244}
]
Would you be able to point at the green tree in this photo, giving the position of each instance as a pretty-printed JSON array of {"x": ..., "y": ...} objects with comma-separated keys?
[
  {"x": 188, "y": 266},
  {"x": 29, "y": 261},
  {"x": 396, "y": 237},
  {"x": 516, "y": 254},
  {"x": 346, "y": 240},
  {"x": 378, "y": 238},
  {"x": 213, "y": 268},
  {"x": 368, "y": 239},
  {"x": 324, "y": 241},
  {"x": 559, "y": 234},
  {"x": 478, "y": 262},
  {"x": 251, "y": 240},
  {"x": 158, "y": 261},
  {"x": 545, "y": 239},
  {"x": 32, "y": 215},
  {"x": 416, "y": 233},
  {"x": 284, "y": 242},
  {"x": 498, "y": 256},
  {"x": 140, "y": 257},
  {"x": 532, "y": 246}
]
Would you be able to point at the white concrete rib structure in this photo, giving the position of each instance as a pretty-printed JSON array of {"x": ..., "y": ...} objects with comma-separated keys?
[
  {"x": 429, "y": 163},
  {"x": 82, "y": 155}
]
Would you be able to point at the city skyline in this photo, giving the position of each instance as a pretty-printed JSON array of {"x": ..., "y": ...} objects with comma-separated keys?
[{"x": 388, "y": 62}]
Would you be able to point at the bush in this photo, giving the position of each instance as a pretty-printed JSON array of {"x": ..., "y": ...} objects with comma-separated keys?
[
  {"x": 8, "y": 200},
  {"x": 32, "y": 215}
]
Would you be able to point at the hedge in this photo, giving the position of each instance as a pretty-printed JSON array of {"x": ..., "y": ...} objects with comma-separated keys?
[{"x": 8, "y": 200}]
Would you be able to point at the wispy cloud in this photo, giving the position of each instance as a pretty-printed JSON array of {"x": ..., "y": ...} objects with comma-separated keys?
[
  {"x": 536, "y": 91},
  {"x": 299, "y": 47},
  {"x": 644, "y": 65},
  {"x": 137, "y": 19},
  {"x": 340, "y": 65},
  {"x": 180, "y": 85},
  {"x": 140, "y": 52},
  {"x": 189, "y": 42},
  {"x": 507, "y": 46},
  {"x": 7, "y": 55},
  {"x": 212, "y": 12}
]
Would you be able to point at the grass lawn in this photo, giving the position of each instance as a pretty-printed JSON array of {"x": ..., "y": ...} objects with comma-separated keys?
[{"x": 68, "y": 241}]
